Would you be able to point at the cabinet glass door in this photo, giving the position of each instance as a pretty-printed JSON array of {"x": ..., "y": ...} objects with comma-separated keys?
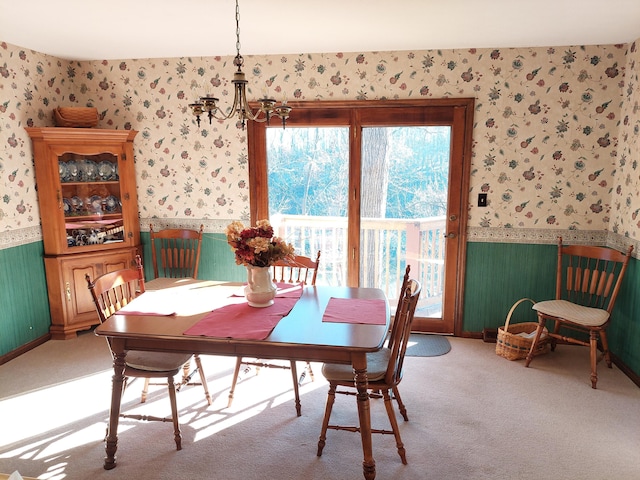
[{"x": 91, "y": 199}]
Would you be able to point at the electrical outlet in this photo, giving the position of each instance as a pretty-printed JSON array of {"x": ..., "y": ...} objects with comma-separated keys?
[{"x": 482, "y": 199}]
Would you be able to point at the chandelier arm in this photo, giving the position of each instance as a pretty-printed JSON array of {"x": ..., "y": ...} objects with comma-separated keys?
[{"x": 220, "y": 116}]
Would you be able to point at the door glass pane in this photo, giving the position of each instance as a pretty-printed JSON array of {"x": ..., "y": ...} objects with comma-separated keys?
[
  {"x": 308, "y": 181},
  {"x": 405, "y": 173}
]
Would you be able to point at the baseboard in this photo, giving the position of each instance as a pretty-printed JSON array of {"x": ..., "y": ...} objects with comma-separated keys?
[
  {"x": 24, "y": 348},
  {"x": 477, "y": 335},
  {"x": 634, "y": 377}
]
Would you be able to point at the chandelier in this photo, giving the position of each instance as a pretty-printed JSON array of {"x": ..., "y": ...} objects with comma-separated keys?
[{"x": 207, "y": 105}]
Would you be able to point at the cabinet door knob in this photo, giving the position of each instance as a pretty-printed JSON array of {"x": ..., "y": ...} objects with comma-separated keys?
[{"x": 68, "y": 290}]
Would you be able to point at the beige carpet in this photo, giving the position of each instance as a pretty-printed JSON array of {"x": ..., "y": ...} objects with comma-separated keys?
[{"x": 473, "y": 415}]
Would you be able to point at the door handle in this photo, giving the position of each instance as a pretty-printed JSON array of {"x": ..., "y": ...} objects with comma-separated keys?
[{"x": 450, "y": 235}]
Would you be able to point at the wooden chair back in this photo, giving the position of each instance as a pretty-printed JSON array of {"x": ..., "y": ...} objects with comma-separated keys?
[
  {"x": 114, "y": 290},
  {"x": 401, "y": 331},
  {"x": 403, "y": 289},
  {"x": 299, "y": 270},
  {"x": 175, "y": 252},
  {"x": 590, "y": 276}
]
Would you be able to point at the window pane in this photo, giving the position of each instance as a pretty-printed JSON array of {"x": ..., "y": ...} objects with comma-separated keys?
[
  {"x": 308, "y": 181},
  {"x": 405, "y": 173}
]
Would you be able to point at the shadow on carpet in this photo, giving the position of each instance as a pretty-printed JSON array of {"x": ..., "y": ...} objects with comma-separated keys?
[{"x": 421, "y": 345}]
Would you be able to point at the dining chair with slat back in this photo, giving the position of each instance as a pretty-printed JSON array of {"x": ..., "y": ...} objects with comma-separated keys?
[
  {"x": 384, "y": 372},
  {"x": 588, "y": 280},
  {"x": 299, "y": 270},
  {"x": 175, "y": 253},
  {"x": 111, "y": 292}
]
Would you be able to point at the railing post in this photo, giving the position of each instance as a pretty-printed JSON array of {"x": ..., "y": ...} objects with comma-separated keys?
[{"x": 413, "y": 248}]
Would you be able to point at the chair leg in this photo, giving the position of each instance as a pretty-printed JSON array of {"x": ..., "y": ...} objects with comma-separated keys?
[
  {"x": 174, "y": 413},
  {"x": 331, "y": 398},
  {"x": 394, "y": 426},
  {"x": 236, "y": 372},
  {"x": 554, "y": 340},
  {"x": 304, "y": 373},
  {"x": 605, "y": 348},
  {"x": 145, "y": 390},
  {"x": 294, "y": 376},
  {"x": 541, "y": 323},
  {"x": 593, "y": 346},
  {"x": 401, "y": 407},
  {"x": 203, "y": 378},
  {"x": 185, "y": 373}
]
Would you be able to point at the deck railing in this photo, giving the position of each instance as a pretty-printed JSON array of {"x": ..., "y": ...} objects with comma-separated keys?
[{"x": 388, "y": 245}]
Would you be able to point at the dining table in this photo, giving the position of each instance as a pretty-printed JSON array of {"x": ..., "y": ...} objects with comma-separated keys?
[{"x": 329, "y": 324}]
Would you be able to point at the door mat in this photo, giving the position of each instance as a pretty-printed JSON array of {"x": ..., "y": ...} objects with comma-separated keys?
[{"x": 421, "y": 345}]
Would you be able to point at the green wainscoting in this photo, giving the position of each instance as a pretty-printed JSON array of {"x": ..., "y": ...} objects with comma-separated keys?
[
  {"x": 624, "y": 331},
  {"x": 499, "y": 274},
  {"x": 24, "y": 315}
]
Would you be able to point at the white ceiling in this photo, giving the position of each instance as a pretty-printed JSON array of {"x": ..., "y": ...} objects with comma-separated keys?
[{"x": 126, "y": 29}]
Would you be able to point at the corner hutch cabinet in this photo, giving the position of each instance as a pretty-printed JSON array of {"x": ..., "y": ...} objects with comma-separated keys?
[{"x": 89, "y": 213}]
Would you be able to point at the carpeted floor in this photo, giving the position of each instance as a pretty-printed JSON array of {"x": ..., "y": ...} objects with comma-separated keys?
[
  {"x": 425, "y": 345},
  {"x": 473, "y": 415}
]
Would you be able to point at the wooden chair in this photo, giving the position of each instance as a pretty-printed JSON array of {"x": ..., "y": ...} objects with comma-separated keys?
[
  {"x": 588, "y": 280},
  {"x": 300, "y": 270},
  {"x": 403, "y": 288},
  {"x": 384, "y": 371},
  {"x": 179, "y": 252},
  {"x": 297, "y": 270},
  {"x": 110, "y": 293},
  {"x": 179, "y": 257}
]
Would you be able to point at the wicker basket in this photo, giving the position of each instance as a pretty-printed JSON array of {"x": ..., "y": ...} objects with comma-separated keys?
[
  {"x": 513, "y": 346},
  {"x": 83, "y": 117}
]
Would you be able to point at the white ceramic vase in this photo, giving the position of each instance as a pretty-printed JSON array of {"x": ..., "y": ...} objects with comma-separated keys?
[{"x": 260, "y": 290}]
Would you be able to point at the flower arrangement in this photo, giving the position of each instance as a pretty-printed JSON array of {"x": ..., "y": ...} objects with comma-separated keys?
[{"x": 257, "y": 246}]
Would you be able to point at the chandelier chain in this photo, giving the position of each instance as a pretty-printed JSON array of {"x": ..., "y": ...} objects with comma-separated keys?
[{"x": 237, "y": 28}]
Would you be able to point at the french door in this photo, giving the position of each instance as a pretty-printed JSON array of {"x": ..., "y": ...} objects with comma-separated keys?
[{"x": 375, "y": 186}]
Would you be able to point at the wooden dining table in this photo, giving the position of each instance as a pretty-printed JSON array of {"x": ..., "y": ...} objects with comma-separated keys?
[{"x": 303, "y": 334}]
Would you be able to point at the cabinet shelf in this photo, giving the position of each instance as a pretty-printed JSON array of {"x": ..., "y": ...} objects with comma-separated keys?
[
  {"x": 102, "y": 219},
  {"x": 96, "y": 182}
]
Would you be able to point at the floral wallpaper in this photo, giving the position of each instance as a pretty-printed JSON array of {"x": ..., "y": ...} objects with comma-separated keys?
[{"x": 555, "y": 141}]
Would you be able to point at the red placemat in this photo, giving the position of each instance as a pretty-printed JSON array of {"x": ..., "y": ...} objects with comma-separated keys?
[
  {"x": 356, "y": 310},
  {"x": 239, "y": 320}
]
